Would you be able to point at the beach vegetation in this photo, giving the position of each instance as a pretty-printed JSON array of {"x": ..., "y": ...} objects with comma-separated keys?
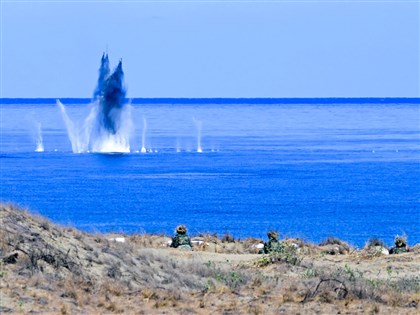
[{"x": 45, "y": 268}]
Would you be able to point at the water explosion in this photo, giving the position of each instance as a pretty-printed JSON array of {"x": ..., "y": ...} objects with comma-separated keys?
[{"x": 108, "y": 126}]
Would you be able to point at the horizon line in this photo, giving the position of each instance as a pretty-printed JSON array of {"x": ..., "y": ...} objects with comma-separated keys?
[{"x": 220, "y": 100}]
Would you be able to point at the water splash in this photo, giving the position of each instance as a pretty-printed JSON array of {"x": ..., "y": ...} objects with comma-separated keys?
[
  {"x": 39, "y": 140},
  {"x": 79, "y": 132},
  {"x": 143, "y": 136},
  {"x": 198, "y": 125},
  {"x": 108, "y": 126}
]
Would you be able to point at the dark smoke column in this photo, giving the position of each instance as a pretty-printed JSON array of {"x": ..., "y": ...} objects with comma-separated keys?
[
  {"x": 103, "y": 75},
  {"x": 110, "y": 93}
]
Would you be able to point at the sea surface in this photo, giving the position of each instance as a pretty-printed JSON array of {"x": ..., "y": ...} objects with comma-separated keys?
[{"x": 308, "y": 170}]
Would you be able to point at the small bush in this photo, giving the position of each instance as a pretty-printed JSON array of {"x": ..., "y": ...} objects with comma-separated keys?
[
  {"x": 263, "y": 261},
  {"x": 372, "y": 242},
  {"x": 229, "y": 277},
  {"x": 45, "y": 224},
  {"x": 310, "y": 273},
  {"x": 287, "y": 254},
  {"x": 114, "y": 271},
  {"x": 407, "y": 285},
  {"x": 332, "y": 241},
  {"x": 228, "y": 238},
  {"x": 335, "y": 246}
]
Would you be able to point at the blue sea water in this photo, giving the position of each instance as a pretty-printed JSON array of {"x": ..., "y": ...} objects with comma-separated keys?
[{"x": 307, "y": 170}]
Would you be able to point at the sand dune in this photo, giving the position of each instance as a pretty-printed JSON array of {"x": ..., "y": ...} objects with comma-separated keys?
[{"x": 51, "y": 269}]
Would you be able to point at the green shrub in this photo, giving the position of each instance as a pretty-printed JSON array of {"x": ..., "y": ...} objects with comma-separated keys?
[{"x": 287, "y": 254}]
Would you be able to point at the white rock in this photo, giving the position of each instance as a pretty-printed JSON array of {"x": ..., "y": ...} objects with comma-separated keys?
[
  {"x": 382, "y": 250},
  {"x": 118, "y": 239}
]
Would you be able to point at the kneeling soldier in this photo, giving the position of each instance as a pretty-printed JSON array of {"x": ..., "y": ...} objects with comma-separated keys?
[
  {"x": 400, "y": 245},
  {"x": 273, "y": 245},
  {"x": 181, "y": 240}
]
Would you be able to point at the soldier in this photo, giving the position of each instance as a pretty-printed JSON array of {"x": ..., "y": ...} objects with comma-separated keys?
[
  {"x": 181, "y": 240},
  {"x": 400, "y": 245},
  {"x": 273, "y": 245}
]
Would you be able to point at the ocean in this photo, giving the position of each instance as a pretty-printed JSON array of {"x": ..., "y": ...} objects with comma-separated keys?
[{"x": 308, "y": 168}]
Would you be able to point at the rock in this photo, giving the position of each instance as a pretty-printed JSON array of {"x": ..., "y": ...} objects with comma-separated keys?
[
  {"x": 334, "y": 250},
  {"x": 118, "y": 239},
  {"x": 381, "y": 250},
  {"x": 259, "y": 246}
]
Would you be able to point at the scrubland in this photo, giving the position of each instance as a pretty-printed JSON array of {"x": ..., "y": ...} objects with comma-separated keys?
[{"x": 50, "y": 269}]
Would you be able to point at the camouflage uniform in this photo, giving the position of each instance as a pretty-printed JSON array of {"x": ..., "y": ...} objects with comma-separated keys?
[
  {"x": 273, "y": 245},
  {"x": 398, "y": 250},
  {"x": 181, "y": 240},
  {"x": 400, "y": 246}
]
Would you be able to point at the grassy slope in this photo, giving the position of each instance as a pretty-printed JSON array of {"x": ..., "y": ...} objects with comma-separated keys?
[{"x": 47, "y": 268}]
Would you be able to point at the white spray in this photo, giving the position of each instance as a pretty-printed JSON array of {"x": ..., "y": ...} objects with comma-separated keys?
[
  {"x": 143, "y": 136},
  {"x": 198, "y": 125},
  {"x": 39, "y": 140}
]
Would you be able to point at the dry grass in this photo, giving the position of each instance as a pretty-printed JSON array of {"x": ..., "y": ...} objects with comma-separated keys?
[{"x": 46, "y": 268}]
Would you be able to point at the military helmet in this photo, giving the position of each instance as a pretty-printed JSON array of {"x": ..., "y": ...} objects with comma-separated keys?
[
  {"x": 400, "y": 241},
  {"x": 181, "y": 229},
  {"x": 273, "y": 234}
]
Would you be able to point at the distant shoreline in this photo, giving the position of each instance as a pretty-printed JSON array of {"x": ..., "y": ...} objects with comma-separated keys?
[{"x": 227, "y": 101}]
